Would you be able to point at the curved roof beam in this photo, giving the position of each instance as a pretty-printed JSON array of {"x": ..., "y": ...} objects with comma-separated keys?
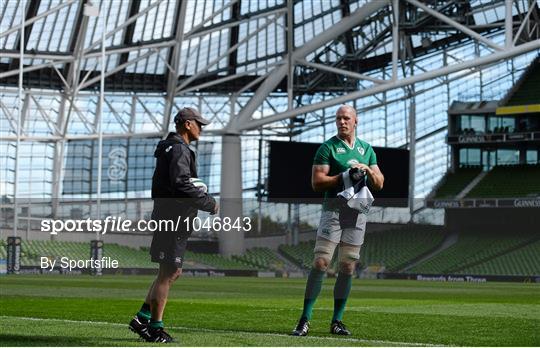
[
  {"x": 494, "y": 57},
  {"x": 236, "y": 125},
  {"x": 456, "y": 25}
]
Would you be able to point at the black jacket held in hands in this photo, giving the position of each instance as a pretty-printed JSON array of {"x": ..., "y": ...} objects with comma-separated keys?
[{"x": 173, "y": 194}]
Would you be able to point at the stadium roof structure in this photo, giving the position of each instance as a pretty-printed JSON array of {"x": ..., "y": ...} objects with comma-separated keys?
[
  {"x": 247, "y": 48},
  {"x": 81, "y": 79}
]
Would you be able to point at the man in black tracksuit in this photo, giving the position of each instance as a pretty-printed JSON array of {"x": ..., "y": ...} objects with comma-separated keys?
[{"x": 175, "y": 197}]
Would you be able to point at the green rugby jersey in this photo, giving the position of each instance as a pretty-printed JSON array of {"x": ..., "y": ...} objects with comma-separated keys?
[{"x": 339, "y": 156}]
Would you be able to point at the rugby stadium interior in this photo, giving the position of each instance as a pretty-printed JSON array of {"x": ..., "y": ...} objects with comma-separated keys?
[{"x": 87, "y": 88}]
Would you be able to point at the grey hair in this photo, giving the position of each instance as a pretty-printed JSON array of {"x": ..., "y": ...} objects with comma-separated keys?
[{"x": 348, "y": 107}]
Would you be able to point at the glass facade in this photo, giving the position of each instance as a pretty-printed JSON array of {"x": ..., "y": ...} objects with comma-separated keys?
[
  {"x": 470, "y": 157},
  {"x": 66, "y": 158}
]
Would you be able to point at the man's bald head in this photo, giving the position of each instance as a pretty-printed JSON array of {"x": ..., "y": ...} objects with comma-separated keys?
[
  {"x": 346, "y": 121},
  {"x": 346, "y": 108}
]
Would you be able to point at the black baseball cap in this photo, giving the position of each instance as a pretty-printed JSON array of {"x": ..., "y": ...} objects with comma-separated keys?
[{"x": 190, "y": 114}]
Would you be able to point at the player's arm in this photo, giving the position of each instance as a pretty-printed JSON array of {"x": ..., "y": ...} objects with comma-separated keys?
[
  {"x": 375, "y": 176},
  {"x": 321, "y": 181}
]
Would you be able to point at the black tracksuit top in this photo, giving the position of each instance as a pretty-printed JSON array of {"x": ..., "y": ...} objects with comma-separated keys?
[{"x": 173, "y": 193}]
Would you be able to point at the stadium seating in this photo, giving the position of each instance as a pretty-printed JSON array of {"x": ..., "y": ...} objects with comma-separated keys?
[
  {"x": 471, "y": 248},
  {"x": 454, "y": 183},
  {"x": 32, "y": 250},
  {"x": 509, "y": 181},
  {"x": 262, "y": 258},
  {"x": 473, "y": 253},
  {"x": 529, "y": 90},
  {"x": 218, "y": 261},
  {"x": 3, "y": 251},
  {"x": 522, "y": 261},
  {"x": 395, "y": 249},
  {"x": 301, "y": 254},
  {"x": 392, "y": 249}
]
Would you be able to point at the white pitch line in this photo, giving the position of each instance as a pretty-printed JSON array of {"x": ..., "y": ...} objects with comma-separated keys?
[{"x": 412, "y": 344}]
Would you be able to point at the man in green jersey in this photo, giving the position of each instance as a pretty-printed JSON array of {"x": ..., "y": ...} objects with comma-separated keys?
[{"x": 339, "y": 225}]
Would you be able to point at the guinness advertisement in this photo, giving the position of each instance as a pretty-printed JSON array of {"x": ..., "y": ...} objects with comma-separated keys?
[
  {"x": 484, "y": 203},
  {"x": 519, "y": 136},
  {"x": 520, "y": 203},
  {"x": 492, "y": 138}
]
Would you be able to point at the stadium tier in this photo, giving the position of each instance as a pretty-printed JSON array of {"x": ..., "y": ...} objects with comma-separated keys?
[
  {"x": 521, "y": 261},
  {"x": 471, "y": 249},
  {"x": 528, "y": 92},
  {"x": 3, "y": 251},
  {"x": 217, "y": 261},
  {"x": 509, "y": 181},
  {"x": 395, "y": 249},
  {"x": 262, "y": 258},
  {"x": 454, "y": 183},
  {"x": 473, "y": 253},
  {"x": 256, "y": 258},
  {"x": 32, "y": 250},
  {"x": 301, "y": 254},
  {"x": 392, "y": 249}
]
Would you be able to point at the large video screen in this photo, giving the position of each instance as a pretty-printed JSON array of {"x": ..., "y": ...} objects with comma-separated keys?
[{"x": 289, "y": 178}]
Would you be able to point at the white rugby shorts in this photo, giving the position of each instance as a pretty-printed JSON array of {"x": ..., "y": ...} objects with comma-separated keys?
[{"x": 330, "y": 229}]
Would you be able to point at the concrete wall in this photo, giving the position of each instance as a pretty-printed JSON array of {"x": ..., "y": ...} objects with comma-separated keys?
[{"x": 492, "y": 220}]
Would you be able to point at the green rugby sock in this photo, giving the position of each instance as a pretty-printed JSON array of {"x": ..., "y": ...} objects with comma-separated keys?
[
  {"x": 156, "y": 324},
  {"x": 144, "y": 312},
  {"x": 341, "y": 293},
  {"x": 313, "y": 289}
]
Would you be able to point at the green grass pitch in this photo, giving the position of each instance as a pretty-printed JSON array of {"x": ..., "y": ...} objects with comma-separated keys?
[{"x": 94, "y": 311}]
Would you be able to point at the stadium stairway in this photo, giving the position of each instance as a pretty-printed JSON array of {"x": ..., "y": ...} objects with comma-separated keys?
[
  {"x": 453, "y": 184},
  {"x": 265, "y": 259},
  {"x": 300, "y": 255},
  {"x": 498, "y": 255},
  {"x": 472, "y": 184},
  {"x": 521, "y": 261},
  {"x": 449, "y": 240},
  {"x": 391, "y": 250},
  {"x": 289, "y": 265},
  {"x": 496, "y": 184},
  {"x": 472, "y": 248},
  {"x": 526, "y": 90}
]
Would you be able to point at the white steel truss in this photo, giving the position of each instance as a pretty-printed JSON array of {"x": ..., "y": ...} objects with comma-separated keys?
[
  {"x": 272, "y": 72},
  {"x": 509, "y": 50}
]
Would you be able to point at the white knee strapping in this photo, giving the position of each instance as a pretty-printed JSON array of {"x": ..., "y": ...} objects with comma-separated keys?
[
  {"x": 348, "y": 253},
  {"x": 324, "y": 249}
]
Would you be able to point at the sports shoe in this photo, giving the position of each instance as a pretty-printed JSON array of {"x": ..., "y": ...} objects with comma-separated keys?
[
  {"x": 338, "y": 328},
  {"x": 140, "y": 327},
  {"x": 302, "y": 328},
  {"x": 159, "y": 336}
]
